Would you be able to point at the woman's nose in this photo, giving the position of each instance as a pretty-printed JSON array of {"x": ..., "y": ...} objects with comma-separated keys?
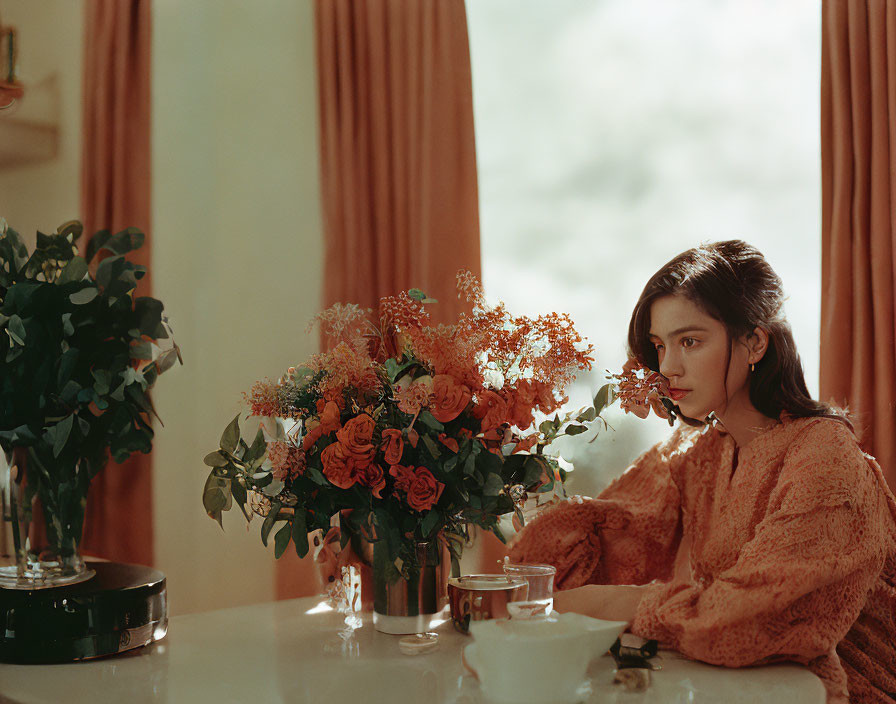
[{"x": 670, "y": 365}]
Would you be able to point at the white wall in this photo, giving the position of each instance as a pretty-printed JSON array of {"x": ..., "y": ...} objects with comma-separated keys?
[
  {"x": 45, "y": 194},
  {"x": 236, "y": 233},
  {"x": 237, "y": 258}
]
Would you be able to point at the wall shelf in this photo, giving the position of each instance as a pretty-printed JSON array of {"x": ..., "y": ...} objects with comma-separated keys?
[{"x": 29, "y": 131}]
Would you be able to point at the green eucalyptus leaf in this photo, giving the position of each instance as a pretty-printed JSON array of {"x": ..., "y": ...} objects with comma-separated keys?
[
  {"x": 214, "y": 498},
  {"x": 167, "y": 359},
  {"x": 604, "y": 397},
  {"x": 69, "y": 392},
  {"x": 216, "y": 459},
  {"x": 67, "y": 328},
  {"x": 16, "y": 330},
  {"x": 587, "y": 415},
  {"x": 96, "y": 243},
  {"x": 429, "y": 421},
  {"x": 73, "y": 272},
  {"x": 397, "y": 369},
  {"x": 63, "y": 430},
  {"x": 109, "y": 270},
  {"x": 140, "y": 350},
  {"x": 576, "y": 429},
  {"x": 300, "y": 533},
  {"x": 430, "y": 445},
  {"x": 470, "y": 464},
  {"x": 238, "y": 491},
  {"x": 493, "y": 485},
  {"x": 281, "y": 539},
  {"x": 269, "y": 521},
  {"x": 85, "y": 295},
  {"x": 148, "y": 316},
  {"x": 258, "y": 447},
  {"x": 125, "y": 241},
  {"x": 231, "y": 437},
  {"x": 429, "y": 522}
]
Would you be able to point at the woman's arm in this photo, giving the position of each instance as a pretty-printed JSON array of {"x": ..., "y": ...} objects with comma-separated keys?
[
  {"x": 611, "y": 602},
  {"x": 628, "y": 535}
]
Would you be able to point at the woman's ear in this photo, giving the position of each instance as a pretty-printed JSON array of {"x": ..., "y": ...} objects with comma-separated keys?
[{"x": 757, "y": 344}]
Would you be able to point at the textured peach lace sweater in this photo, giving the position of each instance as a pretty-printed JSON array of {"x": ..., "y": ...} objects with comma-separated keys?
[{"x": 789, "y": 547}]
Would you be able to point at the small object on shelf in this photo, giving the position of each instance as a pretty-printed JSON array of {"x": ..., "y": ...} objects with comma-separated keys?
[
  {"x": 121, "y": 608},
  {"x": 10, "y": 89}
]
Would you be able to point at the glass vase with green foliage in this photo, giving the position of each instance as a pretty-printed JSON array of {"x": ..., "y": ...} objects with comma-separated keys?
[{"x": 79, "y": 352}]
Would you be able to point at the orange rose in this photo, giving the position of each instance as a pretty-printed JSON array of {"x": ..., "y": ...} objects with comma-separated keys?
[
  {"x": 329, "y": 417},
  {"x": 340, "y": 467},
  {"x": 424, "y": 491},
  {"x": 392, "y": 445},
  {"x": 449, "y": 398},
  {"x": 372, "y": 477},
  {"x": 404, "y": 476},
  {"x": 492, "y": 409},
  {"x": 356, "y": 438}
]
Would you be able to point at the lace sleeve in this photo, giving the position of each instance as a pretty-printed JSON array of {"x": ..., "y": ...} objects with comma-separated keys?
[
  {"x": 628, "y": 535},
  {"x": 800, "y": 583}
]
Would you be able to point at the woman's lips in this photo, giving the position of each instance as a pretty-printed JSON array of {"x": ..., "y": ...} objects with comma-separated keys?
[{"x": 678, "y": 394}]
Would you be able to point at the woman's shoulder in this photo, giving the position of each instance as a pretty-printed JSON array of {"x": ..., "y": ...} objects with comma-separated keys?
[
  {"x": 822, "y": 437},
  {"x": 822, "y": 457}
]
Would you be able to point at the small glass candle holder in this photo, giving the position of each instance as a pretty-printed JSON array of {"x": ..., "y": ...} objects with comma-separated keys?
[{"x": 540, "y": 602}]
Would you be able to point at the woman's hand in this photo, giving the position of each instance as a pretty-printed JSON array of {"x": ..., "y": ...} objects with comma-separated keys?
[{"x": 611, "y": 602}]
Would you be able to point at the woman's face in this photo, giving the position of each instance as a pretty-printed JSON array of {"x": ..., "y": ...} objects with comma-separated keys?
[{"x": 693, "y": 353}]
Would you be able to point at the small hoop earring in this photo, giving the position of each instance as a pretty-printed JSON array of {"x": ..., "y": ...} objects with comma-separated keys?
[{"x": 752, "y": 367}]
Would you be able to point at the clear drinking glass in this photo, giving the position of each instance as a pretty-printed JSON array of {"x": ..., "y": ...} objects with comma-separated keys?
[{"x": 540, "y": 602}]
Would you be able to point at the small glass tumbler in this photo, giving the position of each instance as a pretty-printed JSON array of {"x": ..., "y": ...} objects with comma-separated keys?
[{"x": 540, "y": 602}]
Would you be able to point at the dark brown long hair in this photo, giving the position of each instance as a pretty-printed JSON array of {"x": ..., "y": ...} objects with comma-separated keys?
[{"x": 732, "y": 282}]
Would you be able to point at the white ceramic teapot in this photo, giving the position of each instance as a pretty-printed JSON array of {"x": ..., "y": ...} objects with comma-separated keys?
[{"x": 539, "y": 661}]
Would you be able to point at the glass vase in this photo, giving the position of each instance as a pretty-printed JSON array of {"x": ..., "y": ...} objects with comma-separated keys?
[
  {"x": 42, "y": 499},
  {"x": 410, "y": 604}
]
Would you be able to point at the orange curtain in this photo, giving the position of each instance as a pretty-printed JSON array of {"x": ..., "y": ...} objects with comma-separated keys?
[
  {"x": 858, "y": 142},
  {"x": 115, "y": 194},
  {"x": 398, "y": 161}
]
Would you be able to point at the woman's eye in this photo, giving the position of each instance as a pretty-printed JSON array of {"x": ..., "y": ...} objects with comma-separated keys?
[
  {"x": 688, "y": 342},
  {"x": 658, "y": 347}
]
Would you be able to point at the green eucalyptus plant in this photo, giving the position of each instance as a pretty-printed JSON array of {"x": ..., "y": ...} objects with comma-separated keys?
[{"x": 78, "y": 355}]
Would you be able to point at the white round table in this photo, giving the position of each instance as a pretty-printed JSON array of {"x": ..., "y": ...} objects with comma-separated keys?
[{"x": 300, "y": 651}]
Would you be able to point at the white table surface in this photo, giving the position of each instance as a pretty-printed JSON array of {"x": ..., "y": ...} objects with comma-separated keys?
[{"x": 292, "y": 651}]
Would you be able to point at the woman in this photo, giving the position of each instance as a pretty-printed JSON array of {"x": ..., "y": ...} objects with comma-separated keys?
[{"x": 759, "y": 531}]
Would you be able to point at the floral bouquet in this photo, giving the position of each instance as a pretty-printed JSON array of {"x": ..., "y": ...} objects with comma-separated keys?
[{"x": 405, "y": 430}]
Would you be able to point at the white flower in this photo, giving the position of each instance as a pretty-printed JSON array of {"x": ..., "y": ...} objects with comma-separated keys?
[{"x": 493, "y": 378}]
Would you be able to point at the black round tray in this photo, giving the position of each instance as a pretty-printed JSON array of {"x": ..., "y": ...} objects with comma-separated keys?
[{"x": 122, "y": 607}]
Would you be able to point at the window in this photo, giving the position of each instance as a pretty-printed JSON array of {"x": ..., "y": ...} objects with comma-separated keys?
[{"x": 613, "y": 135}]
